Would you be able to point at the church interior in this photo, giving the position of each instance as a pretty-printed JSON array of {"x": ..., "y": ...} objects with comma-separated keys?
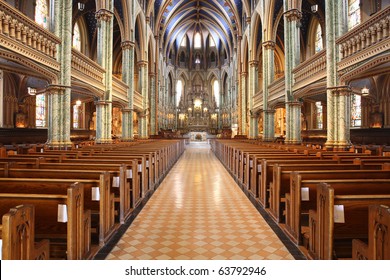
[{"x": 128, "y": 128}]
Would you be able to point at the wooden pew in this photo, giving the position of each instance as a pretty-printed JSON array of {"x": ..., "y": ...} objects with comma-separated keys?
[
  {"x": 298, "y": 205},
  {"x": 333, "y": 229},
  {"x": 280, "y": 185},
  {"x": 70, "y": 240},
  {"x": 378, "y": 246},
  {"x": 98, "y": 193},
  {"x": 18, "y": 235}
]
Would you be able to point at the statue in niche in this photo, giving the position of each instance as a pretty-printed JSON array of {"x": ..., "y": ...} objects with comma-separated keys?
[
  {"x": 20, "y": 118},
  {"x": 92, "y": 122},
  {"x": 376, "y": 119},
  {"x": 303, "y": 122}
]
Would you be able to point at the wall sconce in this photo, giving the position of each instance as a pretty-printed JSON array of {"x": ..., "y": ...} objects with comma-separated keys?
[
  {"x": 81, "y": 6},
  {"x": 31, "y": 91},
  {"x": 314, "y": 8},
  {"x": 78, "y": 102},
  {"x": 365, "y": 91}
]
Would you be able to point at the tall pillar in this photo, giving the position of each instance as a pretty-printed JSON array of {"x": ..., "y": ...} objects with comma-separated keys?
[
  {"x": 294, "y": 122},
  {"x": 58, "y": 117},
  {"x": 143, "y": 117},
  {"x": 128, "y": 79},
  {"x": 340, "y": 118},
  {"x": 337, "y": 120},
  {"x": 59, "y": 95},
  {"x": 243, "y": 112},
  {"x": 253, "y": 127},
  {"x": 292, "y": 24},
  {"x": 268, "y": 77},
  {"x": 104, "y": 19},
  {"x": 153, "y": 104}
]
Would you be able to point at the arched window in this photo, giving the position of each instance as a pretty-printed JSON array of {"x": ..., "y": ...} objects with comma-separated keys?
[
  {"x": 353, "y": 13},
  {"x": 40, "y": 110},
  {"x": 179, "y": 89},
  {"x": 318, "y": 43},
  {"x": 216, "y": 92},
  {"x": 76, "y": 37},
  {"x": 197, "y": 41},
  {"x": 211, "y": 42},
  {"x": 183, "y": 42},
  {"x": 42, "y": 13},
  {"x": 76, "y": 116},
  {"x": 212, "y": 57},
  {"x": 356, "y": 110},
  {"x": 319, "y": 115},
  {"x": 182, "y": 57}
]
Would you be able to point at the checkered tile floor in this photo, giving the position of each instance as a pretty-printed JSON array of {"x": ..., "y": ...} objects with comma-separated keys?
[{"x": 199, "y": 213}]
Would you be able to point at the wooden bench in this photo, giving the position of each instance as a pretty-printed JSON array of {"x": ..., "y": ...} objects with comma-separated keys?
[
  {"x": 18, "y": 235},
  {"x": 280, "y": 185},
  {"x": 378, "y": 245},
  {"x": 98, "y": 193},
  {"x": 340, "y": 217},
  {"x": 298, "y": 205},
  {"x": 70, "y": 240}
]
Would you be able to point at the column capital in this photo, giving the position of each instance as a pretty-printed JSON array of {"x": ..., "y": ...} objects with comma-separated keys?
[
  {"x": 294, "y": 103},
  {"x": 340, "y": 90},
  {"x": 127, "y": 45},
  {"x": 103, "y": 15},
  {"x": 293, "y": 15},
  {"x": 102, "y": 102},
  {"x": 269, "y": 45},
  {"x": 254, "y": 63},
  {"x": 56, "y": 89},
  {"x": 127, "y": 110},
  {"x": 142, "y": 63},
  {"x": 269, "y": 111}
]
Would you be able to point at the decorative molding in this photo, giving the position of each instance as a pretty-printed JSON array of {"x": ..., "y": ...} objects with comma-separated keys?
[{"x": 269, "y": 45}]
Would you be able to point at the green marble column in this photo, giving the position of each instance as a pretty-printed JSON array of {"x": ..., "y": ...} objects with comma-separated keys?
[
  {"x": 292, "y": 25},
  {"x": 128, "y": 79},
  {"x": 268, "y": 77},
  {"x": 253, "y": 73},
  {"x": 243, "y": 105},
  {"x": 104, "y": 19},
  {"x": 337, "y": 104},
  {"x": 144, "y": 116},
  {"x": 153, "y": 103},
  {"x": 59, "y": 95}
]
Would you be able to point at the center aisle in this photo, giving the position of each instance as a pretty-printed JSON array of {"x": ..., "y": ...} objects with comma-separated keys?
[{"x": 199, "y": 213}]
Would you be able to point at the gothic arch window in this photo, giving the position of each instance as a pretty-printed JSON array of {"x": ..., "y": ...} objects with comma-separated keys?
[
  {"x": 353, "y": 13},
  {"x": 318, "y": 39},
  {"x": 183, "y": 42},
  {"x": 356, "y": 110},
  {"x": 212, "y": 57},
  {"x": 216, "y": 92},
  {"x": 42, "y": 13},
  {"x": 76, "y": 37},
  {"x": 182, "y": 57},
  {"x": 319, "y": 115},
  {"x": 40, "y": 110},
  {"x": 179, "y": 90},
  {"x": 197, "y": 41},
  {"x": 211, "y": 42}
]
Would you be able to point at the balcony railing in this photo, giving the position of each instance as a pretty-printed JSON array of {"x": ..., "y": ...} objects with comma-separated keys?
[
  {"x": 137, "y": 100},
  {"x": 28, "y": 38},
  {"x": 311, "y": 70},
  {"x": 119, "y": 88},
  {"x": 366, "y": 34},
  {"x": 276, "y": 89},
  {"x": 85, "y": 69}
]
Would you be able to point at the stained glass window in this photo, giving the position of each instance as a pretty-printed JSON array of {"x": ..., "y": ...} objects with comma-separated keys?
[
  {"x": 42, "y": 13},
  {"x": 40, "y": 112},
  {"x": 353, "y": 13},
  {"x": 183, "y": 42},
  {"x": 76, "y": 37},
  {"x": 216, "y": 92},
  {"x": 318, "y": 43},
  {"x": 179, "y": 89},
  {"x": 76, "y": 116},
  {"x": 356, "y": 110},
  {"x": 197, "y": 41},
  {"x": 319, "y": 115},
  {"x": 212, "y": 43}
]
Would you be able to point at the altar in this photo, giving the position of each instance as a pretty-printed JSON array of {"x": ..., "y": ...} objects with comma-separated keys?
[{"x": 198, "y": 136}]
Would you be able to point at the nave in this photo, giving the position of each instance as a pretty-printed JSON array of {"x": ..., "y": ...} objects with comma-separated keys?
[{"x": 200, "y": 213}]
